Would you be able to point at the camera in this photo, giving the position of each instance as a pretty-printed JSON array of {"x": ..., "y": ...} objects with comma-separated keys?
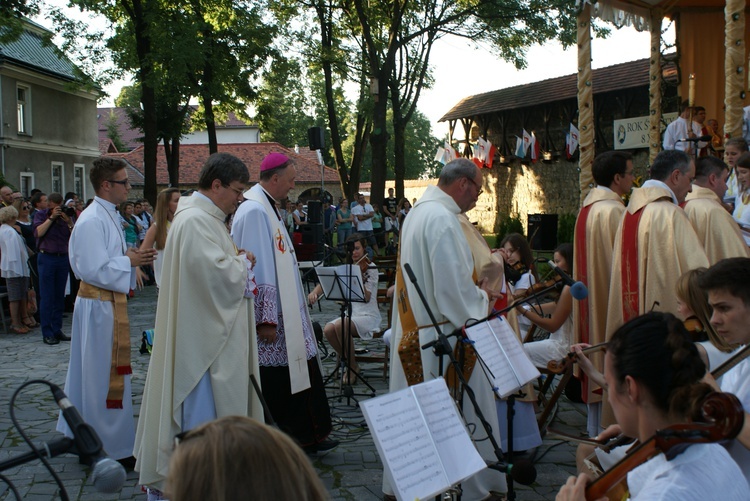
[{"x": 69, "y": 211}]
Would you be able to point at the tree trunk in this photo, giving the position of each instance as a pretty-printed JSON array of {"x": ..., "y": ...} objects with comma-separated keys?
[
  {"x": 172, "y": 153},
  {"x": 379, "y": 140}
]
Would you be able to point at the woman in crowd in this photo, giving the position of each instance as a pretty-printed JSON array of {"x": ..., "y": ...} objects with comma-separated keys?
[
  {"x": 235, "y": 457},
  {"x": 693, "y": 309},
  {"x": 560, "y": 324},
  {"x": 344, "y": 220},
  {"x": 13, "y": 267},
  {"x": 156, "y": 236},
  {"x": 653, "y": 374},
  {"x": 365, "y": 319},
  {"x": 24, "y": 227},
  {"x": 403, "y": 210},
  {"x": 733, "y": 148},
  {"x": 742, "y": 201}
]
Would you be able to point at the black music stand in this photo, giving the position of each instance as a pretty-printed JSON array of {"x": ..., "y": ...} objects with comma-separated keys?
[{"x": 344, "y": 283}]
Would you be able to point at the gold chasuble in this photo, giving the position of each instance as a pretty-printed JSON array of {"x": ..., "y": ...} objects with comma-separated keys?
[
  {"x": 595, "y": 231},
  {"x": 655, "y": 244},
  {"x": 715, "y": 227}
]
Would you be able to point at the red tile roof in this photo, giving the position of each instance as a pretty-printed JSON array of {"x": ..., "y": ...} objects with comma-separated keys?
[
  {"x": 611, "y": 78},
  {"x": 193, "y": 156}
]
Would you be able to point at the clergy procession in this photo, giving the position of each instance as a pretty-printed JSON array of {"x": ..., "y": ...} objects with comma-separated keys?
[{"x": 647, "y": 311}]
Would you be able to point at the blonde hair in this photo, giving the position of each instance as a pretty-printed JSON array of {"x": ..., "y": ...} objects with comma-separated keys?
[
  {"x": 8, "y": 214},
  {"x": 161, "y": 216},
  {"x": 235, "y": 457},
  {"x": 689, "y": 292}
]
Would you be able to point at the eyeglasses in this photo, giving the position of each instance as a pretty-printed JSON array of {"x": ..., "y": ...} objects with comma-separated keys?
[
  {"x": 478, "y": 187},
  {"x": 238, "y": 191},
  {"x": 123, "y": 182}
]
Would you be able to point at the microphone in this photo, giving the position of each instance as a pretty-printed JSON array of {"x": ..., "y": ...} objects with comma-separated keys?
[
  {"x": 108, "y": 475},
  {"x": 338, "y": 252},
  {"x": 522, "y": 471},
  {"x": 703, "y": 139},
  {"x": 577, "y": 289}
]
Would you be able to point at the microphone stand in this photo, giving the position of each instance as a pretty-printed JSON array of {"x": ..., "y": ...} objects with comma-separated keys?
[{"x": 441, "y": 346}]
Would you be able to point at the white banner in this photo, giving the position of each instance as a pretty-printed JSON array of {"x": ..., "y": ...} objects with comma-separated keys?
[{"x": 633, "y": 133}]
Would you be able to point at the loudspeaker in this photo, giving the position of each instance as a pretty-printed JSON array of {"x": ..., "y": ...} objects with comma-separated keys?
[
  {"x": 542, "y": 231},
  {"x": 314, "y": 211},
  {"x": 312, "y": 233},
  {"x": 316, "y": 138}
]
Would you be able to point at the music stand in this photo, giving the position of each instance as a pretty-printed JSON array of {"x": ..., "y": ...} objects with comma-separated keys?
[{"x": 344, "y": 283}]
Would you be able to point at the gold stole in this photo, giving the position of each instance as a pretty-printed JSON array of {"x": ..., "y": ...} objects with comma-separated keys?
[
  {"x": 120, "y": 364},
  {"x": 409, "y": 348}
]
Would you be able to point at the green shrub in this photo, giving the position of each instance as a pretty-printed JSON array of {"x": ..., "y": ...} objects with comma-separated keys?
[
  {"x": 509, "y": 224},
  {"x": 566, "y": 225}
]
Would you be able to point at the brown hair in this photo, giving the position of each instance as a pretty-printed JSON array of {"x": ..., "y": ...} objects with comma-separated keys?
[
  {"x": 655, "y": 349},
  {"x": 161, "y": 216},
  {"x": 232, "y": 456},
  {"x": 695, "y": 297},
  {"x": 103, "y": 169}
]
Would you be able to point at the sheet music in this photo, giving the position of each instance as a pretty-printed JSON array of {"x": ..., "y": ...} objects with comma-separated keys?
[
  {"x": 343, "y": 282},
  {"x": 503, "y": 354},
  {"x": 421, "y": 440},
  {"x": 457, "y": 452}
]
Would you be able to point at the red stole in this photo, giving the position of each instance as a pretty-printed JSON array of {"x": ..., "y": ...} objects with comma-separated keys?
[{"x": 629, "y": 269}]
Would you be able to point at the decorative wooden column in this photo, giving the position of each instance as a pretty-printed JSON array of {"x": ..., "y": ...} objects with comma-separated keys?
[
  {"x": 654, "y": 87},
  {"x": 585, "y": 101},
  {"x": 734, "y": 67}
]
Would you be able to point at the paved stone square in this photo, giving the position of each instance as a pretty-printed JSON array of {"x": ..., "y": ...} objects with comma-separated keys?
[{"x": 352, "y": 471}]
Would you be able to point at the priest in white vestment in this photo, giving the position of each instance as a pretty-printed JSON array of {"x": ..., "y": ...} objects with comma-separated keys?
[
  {"x": 98, "y": 383},
  {"x": 433, "y": 244},
  {"x": 290, "y": 374},
  {"x": 204, "y": 340}
]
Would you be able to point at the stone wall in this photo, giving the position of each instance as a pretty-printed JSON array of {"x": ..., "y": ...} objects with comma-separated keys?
[{"x": 522, "y": 189}]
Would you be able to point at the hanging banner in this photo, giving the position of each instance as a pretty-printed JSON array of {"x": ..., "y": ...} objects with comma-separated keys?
[{"x": 631, "y": 133}]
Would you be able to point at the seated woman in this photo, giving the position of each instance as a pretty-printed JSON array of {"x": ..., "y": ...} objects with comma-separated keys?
[
  {"x": 236, "y": 457},
  {"x": 560, "y": 324},
  {"x": 653, "y": 373},
  {"x": 365, "y": 319},
  {"x": 693, "y": 309}
]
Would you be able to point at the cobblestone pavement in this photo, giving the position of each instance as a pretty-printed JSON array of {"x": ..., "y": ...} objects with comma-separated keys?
[{"x": 352, "y": 471}]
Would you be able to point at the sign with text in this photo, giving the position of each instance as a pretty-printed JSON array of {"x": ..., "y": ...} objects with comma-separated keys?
[{"x": 632, "y": 133}]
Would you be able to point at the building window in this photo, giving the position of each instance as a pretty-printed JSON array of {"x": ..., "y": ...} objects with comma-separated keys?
[
  {"x": 57, "y": 178},
  {"x": 23, "y": 107},
  {"x": 78, "y": 185},
  {"x": 27, "y": 183}
]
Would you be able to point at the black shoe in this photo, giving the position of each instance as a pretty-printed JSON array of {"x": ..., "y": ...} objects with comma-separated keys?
[
  {"x": 62, "y": 337},
  {"x": 128, "y": 463},
  {"x": 321, "y": 447},
  {"x": 51, "y": 340}
]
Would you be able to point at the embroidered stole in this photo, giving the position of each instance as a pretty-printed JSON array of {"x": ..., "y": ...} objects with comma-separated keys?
[
  {"x": 287, "y": 274},
  {"x": 629, "y": 269},
  {"x": 120, "y": 363}
]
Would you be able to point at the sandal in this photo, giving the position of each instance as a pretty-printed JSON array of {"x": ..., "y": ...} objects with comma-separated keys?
[
  {"x": 33, "y": 325},
  {"x": 350, "y": 378},
  {"x": 19, "y": 329}
]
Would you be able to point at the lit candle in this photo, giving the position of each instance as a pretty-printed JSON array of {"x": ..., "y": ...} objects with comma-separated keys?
[{"x": 691, "y": 90}]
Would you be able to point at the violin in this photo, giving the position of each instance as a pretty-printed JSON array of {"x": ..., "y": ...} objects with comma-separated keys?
[
  {"x": 513, "y": 272},
  {"x": 560, "y": 366},
  {"x": 724, "y": 419},
  {"x": 538, "y": 287},
  {"x": 695, "y": 329}
]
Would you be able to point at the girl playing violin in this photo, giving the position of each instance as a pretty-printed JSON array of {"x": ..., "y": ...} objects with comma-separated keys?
[
  {"x": 653, "y": 373},
  {"x": 560, "y": 325},
  {"x": 519, "y": 272},
  {"x": 365, "y": 319}
]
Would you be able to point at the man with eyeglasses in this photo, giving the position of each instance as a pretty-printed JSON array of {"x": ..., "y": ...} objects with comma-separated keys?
[
  {"x": 595, "y": 230},
  {"x": 717, "y": 230},
  {"x": 433, "y": 244},
  {"x": 289, "y": 372},
  {"x": 98, "y": 379},
  {"x": 204, "y": 349}
]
